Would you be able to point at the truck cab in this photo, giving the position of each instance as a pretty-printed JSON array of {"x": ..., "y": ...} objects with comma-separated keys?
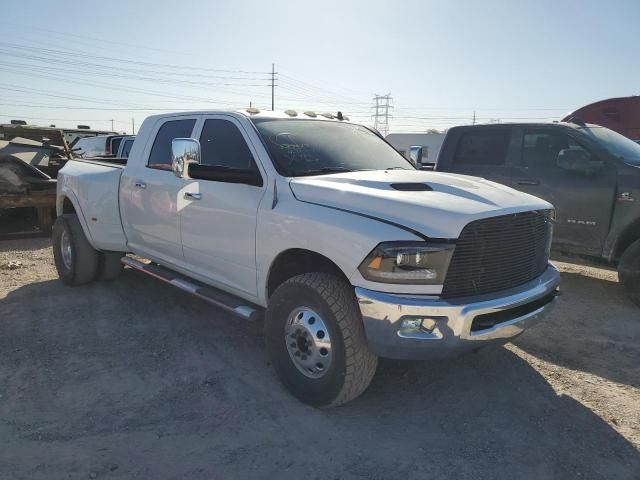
[{"x": 589, "y": 173}]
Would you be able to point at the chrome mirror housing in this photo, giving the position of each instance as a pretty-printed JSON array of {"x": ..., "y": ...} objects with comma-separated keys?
[{"x": 183, "y": 152}]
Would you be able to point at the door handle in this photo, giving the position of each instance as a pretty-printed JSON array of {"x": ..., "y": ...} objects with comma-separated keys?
[
  {"x": 140, "y": 184},
  {"x": 192, "y": 196},
  {"x": 528, "y": 182}
]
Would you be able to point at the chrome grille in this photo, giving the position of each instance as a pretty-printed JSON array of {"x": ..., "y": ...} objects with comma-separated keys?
[{"x": 499, "y": 253}]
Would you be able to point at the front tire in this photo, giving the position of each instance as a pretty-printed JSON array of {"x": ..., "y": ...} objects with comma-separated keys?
[
  {"x": 629, "y": 271},
  {"x": 316, "y": 342},
  {"x": 75, "y": 259}
]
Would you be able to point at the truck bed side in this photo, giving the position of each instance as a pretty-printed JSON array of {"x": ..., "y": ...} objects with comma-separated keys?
[{"x": 90, "y": 189}]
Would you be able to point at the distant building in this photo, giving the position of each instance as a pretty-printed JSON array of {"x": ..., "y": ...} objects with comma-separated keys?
[{"x": 404, "y": 141}]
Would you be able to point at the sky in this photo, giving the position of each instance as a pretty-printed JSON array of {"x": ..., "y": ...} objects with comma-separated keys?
[{"x": 81, "y": 62}]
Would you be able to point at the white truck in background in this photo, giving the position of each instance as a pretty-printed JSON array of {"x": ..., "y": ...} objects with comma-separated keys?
[{"x": 319, "y": 227}]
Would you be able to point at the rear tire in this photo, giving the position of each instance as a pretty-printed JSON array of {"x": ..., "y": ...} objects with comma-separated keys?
[
  {"x": 316, "y": 315},
  {"x": 109, "y": 265},
  {"x": 629, "y": 271},
  {"x": 75, "y": 259}
]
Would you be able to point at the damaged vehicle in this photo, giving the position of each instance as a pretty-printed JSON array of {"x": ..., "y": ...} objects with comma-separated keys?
[
  {"x": 30, "y": 158},
  {"x": 321, "y": 229}
]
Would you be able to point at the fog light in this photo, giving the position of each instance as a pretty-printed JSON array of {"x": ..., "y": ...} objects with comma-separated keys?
[
  {"x": 411, "y": 324},
  {"x": 418, "y": 324}
]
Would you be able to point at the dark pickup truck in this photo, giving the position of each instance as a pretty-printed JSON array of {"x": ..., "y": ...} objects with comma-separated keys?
[{"x": 589, "y": 173}]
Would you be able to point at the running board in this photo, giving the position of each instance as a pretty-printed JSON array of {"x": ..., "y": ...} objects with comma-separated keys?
[{"x": 217, "y": 297}]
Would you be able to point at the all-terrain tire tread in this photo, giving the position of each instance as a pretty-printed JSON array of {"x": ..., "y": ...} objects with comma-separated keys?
[{"x": 360, "y": 362}]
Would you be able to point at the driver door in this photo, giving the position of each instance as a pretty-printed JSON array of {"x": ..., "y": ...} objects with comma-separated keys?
[
  {"x": 583, "y": 201},
  {"x": 218, "y": 223}
]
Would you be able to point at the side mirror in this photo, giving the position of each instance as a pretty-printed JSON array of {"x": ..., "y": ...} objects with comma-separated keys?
[
  {"x": 184, "y": 151},
  {"x": 578, "y": 160},
  {"x": 417, "y": 154}
]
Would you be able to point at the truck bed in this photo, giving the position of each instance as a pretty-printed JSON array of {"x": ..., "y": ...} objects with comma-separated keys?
[{"x": 93, "y": 186}]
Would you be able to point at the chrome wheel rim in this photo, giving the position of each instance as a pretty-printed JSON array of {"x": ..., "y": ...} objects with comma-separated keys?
[
  {"x": 66, "y": 250},
  {"x": 308, "y": 342}
]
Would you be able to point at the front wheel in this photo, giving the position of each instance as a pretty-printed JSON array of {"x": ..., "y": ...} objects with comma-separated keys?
[
  {"x": 316, "y": 342},
  {"x": 629, "y": 271}
]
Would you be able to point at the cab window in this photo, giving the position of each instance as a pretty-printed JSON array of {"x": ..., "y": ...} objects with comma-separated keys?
[
  {"x": 126, "y": 149},
  {"x": 160, "y": 156},
  {"x": 483, "y": 146},
  {"x": 540, "y": 148},
  {"x": 222, "y": 145}
]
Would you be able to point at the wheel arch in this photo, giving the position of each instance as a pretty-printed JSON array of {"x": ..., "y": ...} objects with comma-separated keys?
[
  {"x": 297, "y": 261},
  {"x": 628, "y": 236},
  {"x": 67, "y": 203}
]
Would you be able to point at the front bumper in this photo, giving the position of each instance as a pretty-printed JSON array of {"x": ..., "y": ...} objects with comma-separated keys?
[{"x": 460, "y": 324}]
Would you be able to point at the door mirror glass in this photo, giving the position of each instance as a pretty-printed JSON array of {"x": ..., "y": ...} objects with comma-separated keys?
[
  {"x": 184, "y": 151},
  {"x": 578, "y": 160}
]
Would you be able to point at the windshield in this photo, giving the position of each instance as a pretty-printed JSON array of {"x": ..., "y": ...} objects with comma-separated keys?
[
  {"x": 315, "y": 147},
  {"x": 616, "y": 144}
]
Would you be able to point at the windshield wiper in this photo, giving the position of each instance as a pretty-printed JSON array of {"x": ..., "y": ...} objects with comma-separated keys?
[
  {"x": 322, "y": 170},
  {"x": 396, "y": 168}
]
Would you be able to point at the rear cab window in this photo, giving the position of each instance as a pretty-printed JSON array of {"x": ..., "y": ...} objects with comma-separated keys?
[
  {"x": 483, "y": 146},
  {"x": 160, "y": 155},
  {"x": 115, "y": 144},
  {"x": 126, "y": 148}
]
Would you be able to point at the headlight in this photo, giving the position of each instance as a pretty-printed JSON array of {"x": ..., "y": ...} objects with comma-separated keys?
[{"x": 407, "y": 262}]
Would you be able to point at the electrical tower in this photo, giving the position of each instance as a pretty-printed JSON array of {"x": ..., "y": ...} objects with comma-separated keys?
[{"x": 382, "y": 105}]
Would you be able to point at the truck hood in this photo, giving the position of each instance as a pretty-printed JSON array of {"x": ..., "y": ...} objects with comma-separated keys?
[{"x": 440, "y": 210}]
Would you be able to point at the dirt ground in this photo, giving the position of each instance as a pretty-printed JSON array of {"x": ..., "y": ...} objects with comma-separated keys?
[{"x": 134, "y": 379}]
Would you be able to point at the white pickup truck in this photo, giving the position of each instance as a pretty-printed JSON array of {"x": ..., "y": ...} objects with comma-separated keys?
[{"x": 319, "y": 228}]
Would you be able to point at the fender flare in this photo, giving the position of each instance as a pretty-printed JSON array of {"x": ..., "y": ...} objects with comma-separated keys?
[{"x": 67, "y": 193}]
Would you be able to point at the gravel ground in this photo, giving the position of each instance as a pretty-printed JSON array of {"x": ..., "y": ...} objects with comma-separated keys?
[{"x": 134, "y": 379}]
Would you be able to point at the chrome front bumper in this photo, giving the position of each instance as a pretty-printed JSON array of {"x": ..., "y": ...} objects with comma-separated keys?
[{"x": 460, "y": 324}]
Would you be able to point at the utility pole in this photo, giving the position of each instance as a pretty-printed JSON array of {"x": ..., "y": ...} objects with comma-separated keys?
[
  {"x": 133, "y": 126},
  {"x": 112, "y": 124},
  {"x": 383, "y": 104},
  {"x": 474, "y": 117},
  {"x": 273, "y": 85}
]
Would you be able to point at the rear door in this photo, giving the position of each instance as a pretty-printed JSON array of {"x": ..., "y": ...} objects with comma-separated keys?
[
  {"x": 482, "y": 151},
  {"x": 152, "y": 197},
  {"x": 583, "y": 201},
  {"x": 219, "y": 221}
]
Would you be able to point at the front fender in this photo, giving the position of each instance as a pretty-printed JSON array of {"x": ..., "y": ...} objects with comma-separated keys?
[{"x": 344, "y": 238}]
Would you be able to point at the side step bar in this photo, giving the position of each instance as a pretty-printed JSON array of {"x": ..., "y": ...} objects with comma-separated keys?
[{"x": 220, "y": 299}]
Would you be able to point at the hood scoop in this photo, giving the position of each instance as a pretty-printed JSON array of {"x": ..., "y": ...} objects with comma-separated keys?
[{"x": 411, "y": 187}]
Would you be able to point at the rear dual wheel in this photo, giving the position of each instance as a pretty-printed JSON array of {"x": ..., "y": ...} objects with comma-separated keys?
[
  {"x": 316, "y": 342},
  {"x": 76, "y": 261}
]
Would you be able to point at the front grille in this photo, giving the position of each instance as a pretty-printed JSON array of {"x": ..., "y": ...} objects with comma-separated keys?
[{"x": 498, "y": 253}]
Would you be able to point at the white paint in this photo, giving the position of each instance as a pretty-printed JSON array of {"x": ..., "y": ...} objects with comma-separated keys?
[{"x": 231, "y": 237}]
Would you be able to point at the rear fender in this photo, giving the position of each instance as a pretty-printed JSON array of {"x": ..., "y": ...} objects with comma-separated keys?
[{"x": 64, "y": 192}]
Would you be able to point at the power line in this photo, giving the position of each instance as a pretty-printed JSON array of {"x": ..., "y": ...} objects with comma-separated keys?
[{"x": 51, "y": 51}]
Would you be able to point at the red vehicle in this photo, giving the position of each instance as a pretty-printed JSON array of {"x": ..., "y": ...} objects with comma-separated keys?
[{"x": 619, "y": 114}]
